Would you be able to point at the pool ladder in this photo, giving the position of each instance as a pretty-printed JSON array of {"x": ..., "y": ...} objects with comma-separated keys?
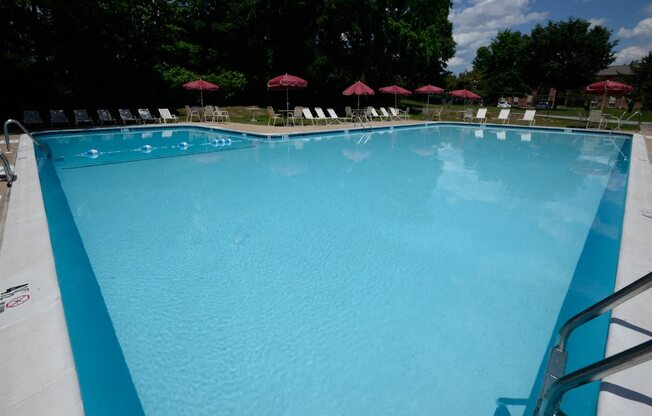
[
  {"x": 10, "y": 175},
  {"x": 556, "y": 383}
]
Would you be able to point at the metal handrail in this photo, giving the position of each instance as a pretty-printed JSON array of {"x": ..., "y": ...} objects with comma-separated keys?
[
  {"x": 9, "y": 174},
  {"x": 614, "y": 364},
  {"x": 16, "y": 122},
  {"x": 621, "y": 122},
  {"x": 556, "y": 368}
]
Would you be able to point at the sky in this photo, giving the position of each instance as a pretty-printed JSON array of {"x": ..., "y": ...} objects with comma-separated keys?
[{"x": 476, "y": 23}]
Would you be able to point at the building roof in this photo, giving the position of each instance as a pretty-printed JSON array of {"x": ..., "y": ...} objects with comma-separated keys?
[{"x": 615, "y": 70}]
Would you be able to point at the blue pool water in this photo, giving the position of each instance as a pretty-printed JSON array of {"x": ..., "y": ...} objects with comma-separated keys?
[{"x": 415, "y": 271}]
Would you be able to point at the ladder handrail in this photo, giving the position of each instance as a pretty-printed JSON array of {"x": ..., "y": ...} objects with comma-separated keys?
[
  {"x": 605, "y": 305},
  {"x": 9, "y": 174},
  {"x": 25, "y": 131},
  {"x": 597, "y": 371},
  {"x": 621, "y": 122},
  {"x": 555, "y": 382}
]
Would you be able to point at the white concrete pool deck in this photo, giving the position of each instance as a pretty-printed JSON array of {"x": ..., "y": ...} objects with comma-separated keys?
[{"x": 37, "y": 371}]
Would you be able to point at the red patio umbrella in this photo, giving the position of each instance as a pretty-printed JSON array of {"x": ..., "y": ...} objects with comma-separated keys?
[
  {"x": 396, "y": 90},
  {"x": 608, "y": 87},
  {"x": 358, "y": 88},
  {"x": 286, "y": 82},
  {"x": 466, "y": 94},
  {"x": 428, "y": 89},
  {"x": 201, "y": 85}
]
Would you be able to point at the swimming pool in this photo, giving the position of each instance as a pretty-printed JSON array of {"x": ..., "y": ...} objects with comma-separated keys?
[{"x": 407, "y": 271}]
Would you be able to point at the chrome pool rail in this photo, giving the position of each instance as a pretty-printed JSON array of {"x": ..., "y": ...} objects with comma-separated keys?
[
  {"x": 556, "y": 383},
  {"x": 25, "y": 131},
  {"x": 9, "y": 174}
]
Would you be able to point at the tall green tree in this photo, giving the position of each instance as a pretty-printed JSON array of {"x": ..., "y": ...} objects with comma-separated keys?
[
  {"x": 642, "y": 78},
  {"x": 501, "y": 65},
  {"x": 566, "y": 55}
]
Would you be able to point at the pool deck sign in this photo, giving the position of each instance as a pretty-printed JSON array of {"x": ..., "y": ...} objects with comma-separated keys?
[{"x": 14, "y": 297}]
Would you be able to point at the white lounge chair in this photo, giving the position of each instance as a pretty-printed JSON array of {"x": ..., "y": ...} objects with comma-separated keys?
[
  {"x": 222, "y": 115},
  {"x": 529, "y": 117},
  {"x": 384, "y": 113},
  {"x": 295, "y": 116},
  {"x": 308, "y": 115},
  {"x": 435, "y": 113},
  {"x": 468, "y": 114},
  {"x": 373, "y": 114},
  {"x": 58, "y": 117},
  {"x": 481, "y": 116},
  {"x": 394, "y": 113},
  {"x": 320, "y": 115},
  {"x": 333, "y": 116},
  {"x": 167, "y": 116},
  {"x": 503, "y": 116}
]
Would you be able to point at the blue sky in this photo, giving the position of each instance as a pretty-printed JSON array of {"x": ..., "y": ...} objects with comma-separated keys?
[{"x": 476, "y": 22}]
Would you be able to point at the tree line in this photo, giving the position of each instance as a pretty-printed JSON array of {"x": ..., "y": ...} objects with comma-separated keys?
[
  {"x": 565, "y": 55},
  {"x": 137, "y": 53}
]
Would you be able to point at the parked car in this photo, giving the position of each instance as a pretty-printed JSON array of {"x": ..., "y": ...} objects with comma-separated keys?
[
  {"x": 504, "y": 104},
  {"x": 542, "y": 105}
]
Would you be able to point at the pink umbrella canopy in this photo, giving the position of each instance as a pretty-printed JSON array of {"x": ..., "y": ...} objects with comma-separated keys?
[
  {"x": 201, "y": 85},
  {"x": 396, "y": 90},
  {"x": 358, "y": 88},
  {"x": 608, "y": 87},
  {"x": 466, "y": 94},
  {"x": 286, "y": 82},
  {"x": 428, "y": 89}
]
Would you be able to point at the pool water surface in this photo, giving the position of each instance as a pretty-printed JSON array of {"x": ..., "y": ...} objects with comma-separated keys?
[{"x": 416, "y": 271}]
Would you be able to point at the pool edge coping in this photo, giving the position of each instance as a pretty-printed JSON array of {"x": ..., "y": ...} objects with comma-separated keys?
[
  {"x": 634, "y": 261},
  {"x": 26, "y": 167}
]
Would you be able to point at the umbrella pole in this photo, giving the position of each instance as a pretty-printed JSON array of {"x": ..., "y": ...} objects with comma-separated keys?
[
  {"x": 358, "y": 102},
  {"x": 604, "y": 97},
  {"x": 428, "y": 103},
  {"x": 201, "y": 96},
  {"x": 395, "y": 100},
  {"x": 287, "y": 100}
]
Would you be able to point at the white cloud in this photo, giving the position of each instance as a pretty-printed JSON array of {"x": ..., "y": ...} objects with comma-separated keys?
[
  {"x": 476, "y": 24},
  {"x": 642, "y": 30},
  {"x": 629, "y": 54},
  {"x": 648, "y": 9},
  {"x": 598, "y": 21}
]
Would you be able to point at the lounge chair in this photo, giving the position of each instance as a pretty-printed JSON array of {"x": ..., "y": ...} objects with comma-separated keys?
[
  {"x": 373, "y": 114},
  {"x": 58, "y": 117},
  {"x": 503, "y": 116},
  {"x": 81, "y": 116},
  {"x": 167, "y": 116},
  {"x": 529, "y": 117},
  {"x": 481, "y": 116},
  {"x": 146, "y": 116},
  {"x": 596, "y": 117},
  {"x": 308, "y": 115},
  {"x": 126, "y": 116},
  {"x": 384, "y": 113},
  {"x": 193, "y": 112},
  {"x": 105, "y": 117},
  {"x": 321, "y": 116},
  {"x": 273, "y": 116},
  {"x": 297, "y": 114},
  {"x": 333, "y": 116},
  {"x": 405, "y": 114},
  {"x": 32, "y": 118},
  {"x": 208, "y": 111}
]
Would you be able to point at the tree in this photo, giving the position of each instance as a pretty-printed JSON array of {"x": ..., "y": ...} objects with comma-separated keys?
[
  {"x": 566, "y": 55},
  {"x": 501, "y": 65},
  {"x": 642, "y": 78}
]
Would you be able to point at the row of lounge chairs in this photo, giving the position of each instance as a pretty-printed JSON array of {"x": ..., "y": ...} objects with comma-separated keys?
[
  {"x": 104, "y": 116},
  {"x": 303, "y": 114},
  {"x": 503, "y": 116}
]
